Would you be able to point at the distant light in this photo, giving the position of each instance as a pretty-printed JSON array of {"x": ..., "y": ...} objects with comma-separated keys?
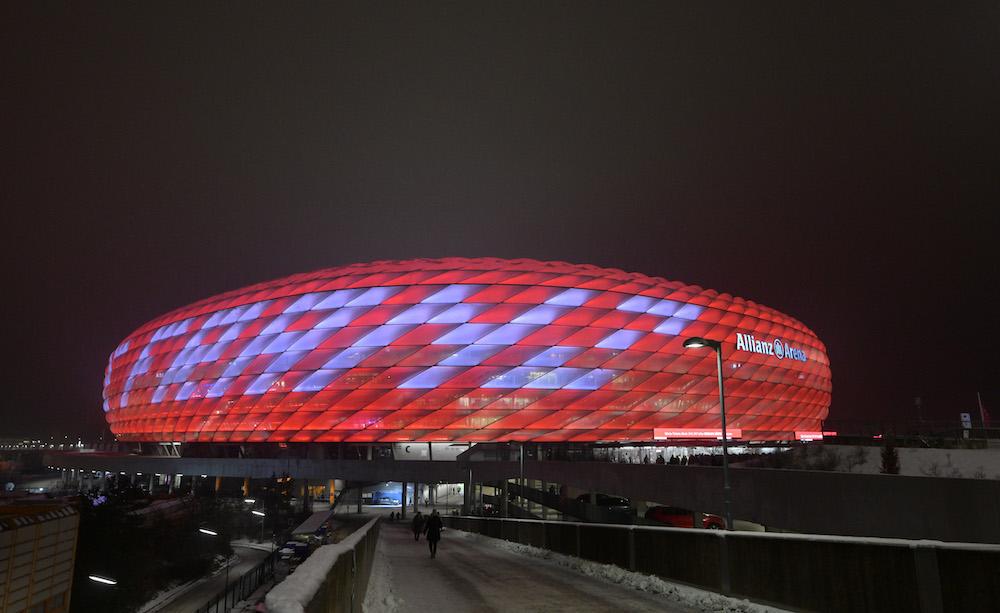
[
  {"x": 208, "y": 532},
  {"x": 258, "y": 513},
  {"x": 249, "y": 500},
  {"x": 104, "y": 580},
  {"x": 203, "y": 476}
]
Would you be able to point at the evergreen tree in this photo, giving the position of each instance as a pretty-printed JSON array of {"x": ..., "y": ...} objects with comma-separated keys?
[{"x": 890, "y": 459}]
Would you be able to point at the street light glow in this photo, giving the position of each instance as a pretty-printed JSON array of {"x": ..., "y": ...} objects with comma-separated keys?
[
  {"x": 208, "y": 532},
  {"x": 100, "y": 579},
  {"x": 258, "y": 513},
  {"x": 249, "y": 500}
]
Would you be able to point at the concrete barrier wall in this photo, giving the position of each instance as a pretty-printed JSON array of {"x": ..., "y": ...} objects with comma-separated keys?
[
  {"x": 799, "y": 571},
  {"x": 332, "y": 580}
]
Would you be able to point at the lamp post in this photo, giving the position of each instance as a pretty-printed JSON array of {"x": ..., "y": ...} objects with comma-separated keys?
[
  {"x": 696, "y": 343},
  {"x": 228, "y": 559},
  {"x": 261, "y": 515}
]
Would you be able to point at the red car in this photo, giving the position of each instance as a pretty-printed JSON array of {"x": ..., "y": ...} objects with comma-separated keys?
[{"x": 683, "y": 518}]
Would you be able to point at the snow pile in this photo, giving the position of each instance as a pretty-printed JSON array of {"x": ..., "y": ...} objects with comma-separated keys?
[
  {"x": 693, "y": 597},
  {"x": 380, "y": 598},
  {"x": 248, "y": 544},
  {"x": 294, "y": 593},
  {"x": 914, "y": 461}
]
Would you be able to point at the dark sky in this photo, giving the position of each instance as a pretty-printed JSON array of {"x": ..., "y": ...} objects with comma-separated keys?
[{"x": 837, "y": 161}]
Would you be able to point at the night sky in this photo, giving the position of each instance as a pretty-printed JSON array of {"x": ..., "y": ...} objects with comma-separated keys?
[{"x": 837, "y": 161}]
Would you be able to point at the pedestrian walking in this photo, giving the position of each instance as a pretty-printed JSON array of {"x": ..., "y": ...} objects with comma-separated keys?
[
  {"x": 418, "y": 525},
  {"x": 433, "y": 530}
]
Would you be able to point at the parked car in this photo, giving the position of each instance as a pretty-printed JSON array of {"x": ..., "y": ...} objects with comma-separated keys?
[
  {"x": 605, "y": 500},
  {"x": 684, "y": 518}
]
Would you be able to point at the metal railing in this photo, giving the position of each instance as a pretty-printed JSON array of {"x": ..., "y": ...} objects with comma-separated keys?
[{"x": 241, "y": 588}]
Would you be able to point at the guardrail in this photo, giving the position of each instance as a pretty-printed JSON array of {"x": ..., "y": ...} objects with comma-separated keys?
[{"x": 806, "y": 572}]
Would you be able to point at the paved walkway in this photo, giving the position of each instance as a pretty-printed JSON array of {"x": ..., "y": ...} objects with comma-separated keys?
[
  {"x": 473, "y": 576},
  {"x": 206, "y": 590}
]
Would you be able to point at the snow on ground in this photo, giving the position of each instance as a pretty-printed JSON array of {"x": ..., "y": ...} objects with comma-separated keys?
[
  {"x": 919, "y": 462},
  {"x": 379, "y": 598},
  {"x": 249, "y": 544},
  {"x": 174, "y": 590},
  {"x": 702, "y": 600}
]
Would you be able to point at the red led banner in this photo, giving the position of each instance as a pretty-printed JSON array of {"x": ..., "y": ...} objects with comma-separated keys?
[
  {"x": 663, "y": 434},
  {"x": 813, "y": 436}
]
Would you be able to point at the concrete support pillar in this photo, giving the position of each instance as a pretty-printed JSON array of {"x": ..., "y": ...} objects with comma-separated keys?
[
  {"x": 467, "y": 498},
  {"x": 151, "y": 482},
  {"x": 306, "y": 499},
  {"x": 359, "y": 499},
  {"x": 545, "y": 492},
  {"x": 331, "y": 490},
  {"x": 402, "y": 501},
  {"x": 504, "y": 489},
  {"x": 218, "y": 484},
  {"x": 246, "y": 487},
  {"x": 416, "y": 496},
  {"x": 170, "y": 484}
]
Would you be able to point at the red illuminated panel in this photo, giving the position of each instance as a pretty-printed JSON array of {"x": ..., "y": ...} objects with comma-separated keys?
[{"x": 466, "y": 350}]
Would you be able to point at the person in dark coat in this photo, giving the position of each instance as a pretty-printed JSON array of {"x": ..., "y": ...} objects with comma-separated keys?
[
  {"x": 418, "y": 525},
  {"x": 433, "y": 529}
]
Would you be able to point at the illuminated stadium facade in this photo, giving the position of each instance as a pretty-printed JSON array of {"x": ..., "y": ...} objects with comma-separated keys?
[{"x": 469, "y": 350}]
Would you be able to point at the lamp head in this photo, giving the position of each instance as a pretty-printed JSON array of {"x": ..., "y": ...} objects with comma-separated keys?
[
  {"x": 104, "y": 580},
  {"x": 696, "y": 342}
]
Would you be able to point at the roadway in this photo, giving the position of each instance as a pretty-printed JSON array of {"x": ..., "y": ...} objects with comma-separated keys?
[
  {"x": 205, "y": 590},
  {"x": 468, "y": 575}
]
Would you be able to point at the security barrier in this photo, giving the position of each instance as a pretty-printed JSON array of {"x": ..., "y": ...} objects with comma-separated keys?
[{"x": 801, "y": 571}]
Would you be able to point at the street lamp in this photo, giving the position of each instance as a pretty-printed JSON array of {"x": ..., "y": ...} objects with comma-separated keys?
[
  {"x": 261, "y": 515},
  {"x": 103, "y": 580},
  {"x": 228, "y": 559},
  {"x": 697, "y": 342}
]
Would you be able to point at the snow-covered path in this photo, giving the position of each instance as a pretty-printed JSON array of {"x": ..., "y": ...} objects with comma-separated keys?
[{"x": 470, "y": 575}]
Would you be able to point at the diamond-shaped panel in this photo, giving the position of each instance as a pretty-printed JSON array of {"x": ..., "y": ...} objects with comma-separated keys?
[{"x": 463, "y": 350}]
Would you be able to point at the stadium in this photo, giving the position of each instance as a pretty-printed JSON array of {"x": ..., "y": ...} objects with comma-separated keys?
[{"x": 465, "y": 350}]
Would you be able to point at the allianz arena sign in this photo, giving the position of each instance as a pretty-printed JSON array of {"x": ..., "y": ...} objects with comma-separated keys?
[{"x": 776, "y": 348}]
